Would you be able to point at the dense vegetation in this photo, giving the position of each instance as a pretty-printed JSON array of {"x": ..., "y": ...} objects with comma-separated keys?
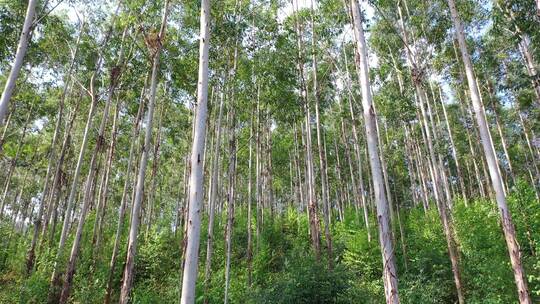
[
  {"x": 326, "y": 151},
  {"x": 285, "y": 269}
]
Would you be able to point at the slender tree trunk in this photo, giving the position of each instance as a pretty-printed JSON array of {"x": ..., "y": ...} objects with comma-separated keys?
[
  {"x": 44, "y": 194},
  {"x": 179, "y": 214},
  {"x": 19, "y": 58},
  {"x": 196, "y": 179},
  {"x": 356, "y": 196},
  {"x": 249, "y": 204},
  {"x": 55, "y": 276},
  {"x": 230, "y": 201},
  {"x": 356, "y": 144},
  {"x": 87, "y": 199},
  {"x": 103, "y": 197},
  {"x": 139, "y": 192},
  {"x": 123, "y": 201},
  {"x": 13, "y": 162},
  {"x": 153, "y": 179},
  {"x": 502, "y": 137},
  {"x": 508, "y": 226},
  {"x": 213, "y": 198},
  {"x": 435, "y": 168},
  {"x": 384, "y": 167},
  {"x": 54, "y": 196},
  {"x": 93, "y": 173},
  {"x": 310, "y": 179},
  {"x": 454, "y": 150},
  {"x": 258, "y": 194},
  {"x": 503, "y": 182},
  {"x": 322, "y": 159},
  {"x": 385, "y": 237},
  {"x": 534, "y": 159},
  {"x": 4, "y": 132}
]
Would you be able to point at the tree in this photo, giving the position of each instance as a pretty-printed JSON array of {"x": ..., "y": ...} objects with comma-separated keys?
[
  {"x": 19, "y": 57},
  {"x": 507, "y": 224},
  {"x": 155, "y": 44},
  {"x": 197, "y": 153},
  {"x": 385, "y": 232}
]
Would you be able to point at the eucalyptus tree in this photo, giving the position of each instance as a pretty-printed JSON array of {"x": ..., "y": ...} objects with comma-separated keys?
[
  {"x": 213, "y": 195},
  {"x": 155, "y": 45},
  {"x": 189, "y": 277},
  {"x": 390, "y": 278},
  {"x": 320, "y": 135},
  {"x": 417, "y": 76},
  {"x": 52, "y": 155},
  {"x": 19, "y": 59},
  {"x": 507, "y": 223},
  {"x": 93, "y": 93},
  {"x": 135, "y": 130},
  {"x": 312, "y": 206},
  {"x": 115, "y": 74},
  {"x": 13, "y": 162}
]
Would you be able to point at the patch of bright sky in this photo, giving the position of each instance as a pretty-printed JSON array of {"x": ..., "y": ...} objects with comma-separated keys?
[{"x": 72, "y": 12}]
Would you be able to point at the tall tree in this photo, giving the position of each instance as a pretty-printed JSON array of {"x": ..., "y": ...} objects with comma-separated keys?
[
  {"x": 155, "y": 44},
  {"x": 197, "y": 153},
  {"x": 383, "y": 217},
  {"x": 19, "y": 57},
  {"x": 496, "y": 181},
  {"x": 52, "y": 156}
]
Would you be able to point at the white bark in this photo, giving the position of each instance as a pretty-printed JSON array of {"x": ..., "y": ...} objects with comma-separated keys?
[
  {"x": 212, "y": 199},
  {"x": 137, "y": 202},
  {"x": 385, "y": 238},
  {"x": 196, "y": 178},
  {"x": 19, "y": 57},
  {"x": 508, "y": 227},
  {"x": 322, "y": 160},
  {"x": 123, "y": 201},
  {"x": 73, "y": 192}
]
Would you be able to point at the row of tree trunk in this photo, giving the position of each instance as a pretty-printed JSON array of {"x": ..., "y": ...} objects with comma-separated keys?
[{"x": 305, "y": 183}]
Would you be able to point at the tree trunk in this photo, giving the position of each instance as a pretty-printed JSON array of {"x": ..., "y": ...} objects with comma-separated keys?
[
  {"x": 356, "y": 145},
  {"x": 93, "y": 172},
  {"x": 435, "y": 168},
  {"x": 508, "y": 227},
  {"x": 104, "y": 192},
  {"x": 137, "y": 203},
  {"x": 213, "y": 197},
  {"x": 123, "y": 201},
  {"x": 4, "y": 132},
  {"x": 13, "y": 162},
  {"x": 258, "y": 194},
  {"x": 19, "y": 58},
  {"x": 196, "y": 178},
  {"x": 55, "y": 276},
  {"x": 230, "y": 200},
  {"x": 501, "y": 135},
  {"x": 50, "y": 201},
  {"x": 454, "y": 150},
  {"x": 385, "y": 237},
  {"x": 320, "y": 148},
  {"x": 310, "y": 179},
  {"x": 44, "y": 194},
  {"x": 153, "y": 179}
]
